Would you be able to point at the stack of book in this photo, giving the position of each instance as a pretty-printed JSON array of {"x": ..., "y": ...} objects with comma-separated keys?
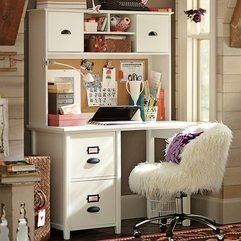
[
  {"x": 18, "y": 172},
  {"x": 61, "y": 4}
]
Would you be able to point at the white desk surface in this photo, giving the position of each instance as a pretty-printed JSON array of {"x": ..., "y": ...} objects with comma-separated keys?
[{"x": 158, "y": 125}]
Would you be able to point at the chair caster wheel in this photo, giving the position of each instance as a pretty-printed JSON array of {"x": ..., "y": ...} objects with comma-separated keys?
[
  {"x": 163, "y": 228},
  {"x": 137, "y": 233},
  {"x": 170, "y": 239},
  {"x": 220, "y": 237}
]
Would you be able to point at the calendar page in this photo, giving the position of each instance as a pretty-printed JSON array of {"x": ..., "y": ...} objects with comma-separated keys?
[{"x": 106, "y": 93}]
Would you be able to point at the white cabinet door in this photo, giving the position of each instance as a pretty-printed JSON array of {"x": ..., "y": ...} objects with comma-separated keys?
[
  {"x": 92, "y": 203},
  {"x": 65, "y": 31},
  {"x": 152, "y": 33}
]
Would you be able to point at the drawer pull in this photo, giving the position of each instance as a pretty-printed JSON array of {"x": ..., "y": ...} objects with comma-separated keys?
[
  {"x": 93, "y": 209},
  {"x": 152, "y": 33},
  {"x": 65, "y": 31},
  {"x": 93, "y": 160}
]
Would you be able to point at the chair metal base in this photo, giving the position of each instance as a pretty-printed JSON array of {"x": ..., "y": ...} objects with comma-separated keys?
[{"x": 176, "y": 218}]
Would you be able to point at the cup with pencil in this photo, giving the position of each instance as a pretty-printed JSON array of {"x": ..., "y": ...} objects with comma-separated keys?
[{"x": 150, "y": 103}]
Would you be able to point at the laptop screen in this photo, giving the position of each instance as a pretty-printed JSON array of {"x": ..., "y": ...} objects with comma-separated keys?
[{"x": 115, "y": 113}]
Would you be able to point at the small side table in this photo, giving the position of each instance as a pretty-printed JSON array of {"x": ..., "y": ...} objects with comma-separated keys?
[{"x": 17, "y": 211}]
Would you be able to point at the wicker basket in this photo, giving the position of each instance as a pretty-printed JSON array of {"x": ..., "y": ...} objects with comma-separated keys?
[
  {"x": 108, "y": 45},
  {"x": 42, "y": 195}
]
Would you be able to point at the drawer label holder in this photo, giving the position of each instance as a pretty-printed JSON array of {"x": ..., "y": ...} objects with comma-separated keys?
[
  {"x": 93, "y": 198},
  {"x": 93, "y": 150}
]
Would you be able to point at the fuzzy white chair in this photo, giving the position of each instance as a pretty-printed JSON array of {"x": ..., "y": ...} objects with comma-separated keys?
[{"x": 195, "y": 161}]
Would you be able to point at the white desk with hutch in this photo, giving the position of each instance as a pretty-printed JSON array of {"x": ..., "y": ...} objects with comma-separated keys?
[{"x": 86, "y": 160}]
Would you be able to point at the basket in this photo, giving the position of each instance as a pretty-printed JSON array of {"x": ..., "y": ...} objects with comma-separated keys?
[
  {"x": 100, "y": 44},
  {"x": 162, "y": 206},
  {"x": 42, "y": 195},
  {"x": 150, "y": 113}
]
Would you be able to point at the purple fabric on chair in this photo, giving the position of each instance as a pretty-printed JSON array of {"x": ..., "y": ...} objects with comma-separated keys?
[{"x": 175, "y": 147}]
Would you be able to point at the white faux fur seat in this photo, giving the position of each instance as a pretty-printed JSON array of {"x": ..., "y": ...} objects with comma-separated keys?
[{"x": 202, "y": 165}]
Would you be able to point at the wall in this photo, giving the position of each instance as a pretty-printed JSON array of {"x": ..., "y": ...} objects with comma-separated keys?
[
  {"x": 224, "y": 206},
  {"x": 12, "y": 88},
  {"x": 229, "y": 108}
]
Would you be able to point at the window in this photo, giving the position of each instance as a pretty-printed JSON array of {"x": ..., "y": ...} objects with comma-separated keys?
[{"x": 198, "y": 70}]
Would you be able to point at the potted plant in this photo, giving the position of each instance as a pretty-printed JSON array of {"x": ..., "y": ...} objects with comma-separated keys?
[{"x": 195, "y": 15}]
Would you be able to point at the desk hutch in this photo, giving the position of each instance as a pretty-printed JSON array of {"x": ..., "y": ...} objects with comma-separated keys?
[{"x": 86, "y": 160}]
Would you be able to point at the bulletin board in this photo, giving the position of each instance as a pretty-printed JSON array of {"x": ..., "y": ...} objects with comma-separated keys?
[{"x": 123, "y": 97}]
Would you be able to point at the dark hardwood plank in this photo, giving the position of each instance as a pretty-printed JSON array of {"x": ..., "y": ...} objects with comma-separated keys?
[
  {"x": 10, "y": 16},
  {"x": 107, "y": 233}
]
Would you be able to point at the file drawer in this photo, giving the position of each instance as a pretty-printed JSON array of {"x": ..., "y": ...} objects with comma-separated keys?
[
  {"x": 65, "y": 31},
  {"x": 57, "y": 100},
  {"x": 92, "y": 155},
  {"x": 92, "y": 203},
  {"x": 152, "y": 33}
]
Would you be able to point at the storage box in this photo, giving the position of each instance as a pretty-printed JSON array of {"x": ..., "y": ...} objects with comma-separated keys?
[
  {"x": 107, "y": 45},
  {"x": 67, "y": 120},
  {"x": 57, "y": 100},
  {"x": 91, "y": 26}
]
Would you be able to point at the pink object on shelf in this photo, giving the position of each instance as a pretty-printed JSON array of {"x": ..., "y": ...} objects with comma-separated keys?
[{"x": 67, "y": 120}]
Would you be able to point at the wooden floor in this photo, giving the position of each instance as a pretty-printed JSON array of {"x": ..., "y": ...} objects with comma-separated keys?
[{"x": 105, "y": 233}]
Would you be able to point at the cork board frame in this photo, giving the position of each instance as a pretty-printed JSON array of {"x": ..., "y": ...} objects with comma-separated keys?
[{"x": 123, "y": 96}]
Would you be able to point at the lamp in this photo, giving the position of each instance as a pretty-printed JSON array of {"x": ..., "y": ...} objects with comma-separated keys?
[{"x": 86, "y": 77}]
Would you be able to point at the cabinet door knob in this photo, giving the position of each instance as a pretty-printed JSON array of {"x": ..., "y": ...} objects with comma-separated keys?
[
  {"x": 65, "y": 31},
  {"x": 93, "y": 160},
  {"x": 93, "y": 209},
  {"x": 152, "y": 33}
]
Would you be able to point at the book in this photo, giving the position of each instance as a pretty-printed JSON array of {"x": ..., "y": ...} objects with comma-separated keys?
[
  {"x": 9, "y": 178},
  {"x": 161, "y": 106},
  {"x": 16, "y": 166},
  {"x": 101, "y": 23},
  {"x": 73, "y": 4},
  {"x": 65, "y": 87}
]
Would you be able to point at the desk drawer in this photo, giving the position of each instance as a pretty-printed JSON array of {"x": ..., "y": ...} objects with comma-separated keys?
[
  {"x": 152, "y": 33},
  {"x": 65, "y": 31},
  {"x": 92, "y": 155},
  {"x": 92, "y": 203}
]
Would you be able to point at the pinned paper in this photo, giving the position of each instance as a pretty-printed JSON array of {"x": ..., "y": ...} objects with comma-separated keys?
[
  {"x": 109, "y": 77},
  {"x": 106, "y": 94}
]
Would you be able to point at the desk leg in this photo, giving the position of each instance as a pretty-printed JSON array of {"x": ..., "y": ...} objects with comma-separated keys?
[
  {"x": 118, "y": 182},
  {"x": 150, "y": 147},
  {"x": 33, "y": 137},
  {"x": 186, "y": 209},
  {"x": 150, "y": 157},
  {"x": 66, "y": 234}
]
